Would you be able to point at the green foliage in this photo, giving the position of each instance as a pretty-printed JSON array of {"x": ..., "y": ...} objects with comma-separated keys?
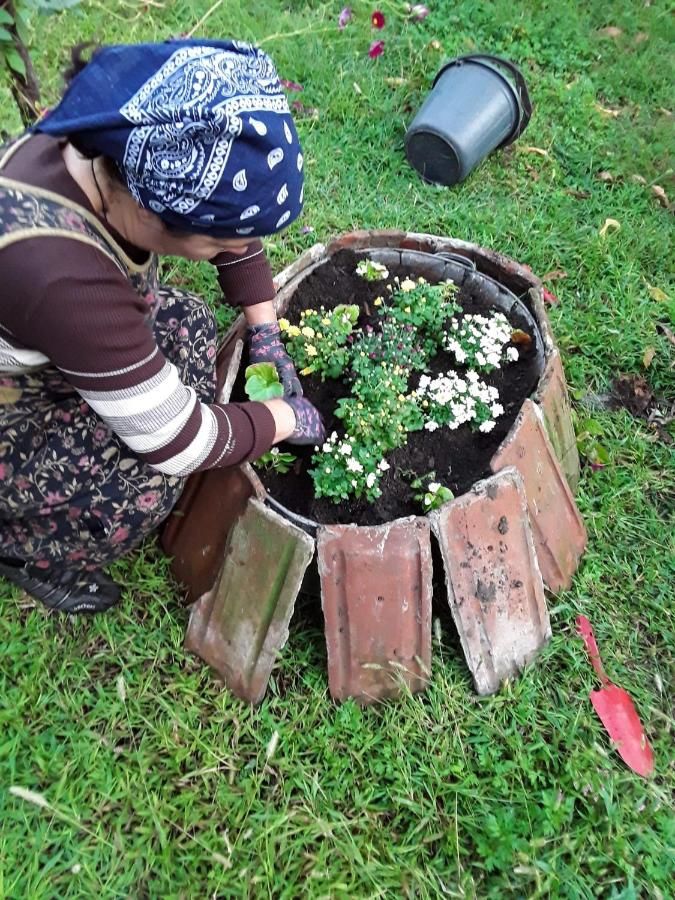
[
  {"x": 429, "y": 493},
  {"x": 262, "y": 382},
  {"x": 276, "y": 460},
  {"x": 424, "y": 307},
  {"x": 318, "y": 345}
]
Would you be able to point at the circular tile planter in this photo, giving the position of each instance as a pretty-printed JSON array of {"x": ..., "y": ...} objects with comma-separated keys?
[{"x": 500, "y": 542}]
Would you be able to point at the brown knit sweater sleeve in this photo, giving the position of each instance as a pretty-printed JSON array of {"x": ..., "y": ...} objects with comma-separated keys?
[
  {"x": 245, "y": 279},
  {"x": 78, "y": 310}
]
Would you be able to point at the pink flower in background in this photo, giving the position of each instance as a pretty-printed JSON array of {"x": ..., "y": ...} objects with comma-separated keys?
[
  {"x": 376, "y": 49},
  {"x": 419, "y": 12},
  {"x": 377, "y": 19},
  {"x": 291, "y": 85},
  {"x": 345, "y": 17}
]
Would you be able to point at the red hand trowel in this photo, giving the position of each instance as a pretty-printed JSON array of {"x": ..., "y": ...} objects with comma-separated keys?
[{"x": 616, "y": 711}]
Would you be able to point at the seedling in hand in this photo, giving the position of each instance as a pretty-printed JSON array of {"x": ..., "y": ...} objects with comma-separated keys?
[{"x": 262, "y": 382}]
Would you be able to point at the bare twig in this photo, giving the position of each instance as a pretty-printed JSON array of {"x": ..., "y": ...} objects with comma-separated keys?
[{"x": 209, "y": 12}]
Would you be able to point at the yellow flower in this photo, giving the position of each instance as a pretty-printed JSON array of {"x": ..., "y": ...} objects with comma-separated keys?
[
  {"x": 283, "y": 324},
  {"x": 293, "y": 331},
  {"x": 325, "y": 321},
  {"x": 407, "y": 285},
  {"x": 407, "y": 309},
  {"x": 307, "y": 370},
  {"x": 310, "y": 349},
  {"x": 378, "y": 301},
  {"x": 308, "y": 332}
]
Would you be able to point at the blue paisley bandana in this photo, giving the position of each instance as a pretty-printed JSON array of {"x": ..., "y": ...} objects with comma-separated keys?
[{"x": 200, "y": 131}]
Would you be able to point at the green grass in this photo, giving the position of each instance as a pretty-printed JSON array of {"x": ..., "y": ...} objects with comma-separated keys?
[{"x": 157, "y": 779}]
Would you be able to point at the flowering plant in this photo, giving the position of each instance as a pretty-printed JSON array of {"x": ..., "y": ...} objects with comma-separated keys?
[
  {"x": 319, "y": 343},
  {"x": 276, "y": 460},
  {"x": 431, "y": 495},
  {"x": 379, "y": 362},
  {"x": 479, "y": 341}
]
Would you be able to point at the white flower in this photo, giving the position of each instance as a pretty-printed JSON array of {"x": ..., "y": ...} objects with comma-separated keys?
[
  {"x": 407, "y": 285},
  {"x": 327, "y": 448},
  {"x": 486, "y": 426},
  {"x": 431, "y": 426},
  {"x": 354, "y": 482},
  {"x": 433, "y": 487},
  {"x": 496, "y": 409},
  {"x": 371, "y": 478},
  {"x": 353, "y": 465},
  {"x": 383, "y": 465},
  {"x": 512, "y": 354},
  {"x": 345, "y": 449}
]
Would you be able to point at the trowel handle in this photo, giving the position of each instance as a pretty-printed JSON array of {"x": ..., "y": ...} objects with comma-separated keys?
[{"x": 585, "y": 629}]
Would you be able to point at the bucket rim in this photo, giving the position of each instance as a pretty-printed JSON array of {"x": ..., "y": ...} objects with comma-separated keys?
[{"x": 518, "y": 90}]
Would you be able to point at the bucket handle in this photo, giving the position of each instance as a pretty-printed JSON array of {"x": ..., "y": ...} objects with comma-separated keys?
[{"x": 521, "y": 88}]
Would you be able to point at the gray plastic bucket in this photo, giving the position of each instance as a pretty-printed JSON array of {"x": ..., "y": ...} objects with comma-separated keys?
[{"x": 477, "y": 103}]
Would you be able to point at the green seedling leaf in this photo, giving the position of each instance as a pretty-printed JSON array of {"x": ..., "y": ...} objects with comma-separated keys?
[
  {"x": 262, "y": 382},
  {"x": 351, "y": 311}
]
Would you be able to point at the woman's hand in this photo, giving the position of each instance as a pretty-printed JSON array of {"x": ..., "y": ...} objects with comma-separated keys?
[
  {"x": 265, "y": 345},
  {"x": 297, "y": 421}
]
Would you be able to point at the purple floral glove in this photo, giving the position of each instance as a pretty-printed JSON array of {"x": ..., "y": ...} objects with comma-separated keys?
[
  {"x": 265, "y": 345},
  {"x": 309, "y": 427}
]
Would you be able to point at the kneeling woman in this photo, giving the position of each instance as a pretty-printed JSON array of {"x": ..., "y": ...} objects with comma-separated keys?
[{"x": 107, "y": 379}]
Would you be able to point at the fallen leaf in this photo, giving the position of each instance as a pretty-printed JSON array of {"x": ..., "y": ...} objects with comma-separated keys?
[
  {"x": 605, "y": 176},
  {"x": 550, "y": 297},
  {"x": 610, "y": 225},
  {"x": 435, "y": 45},
  {"x": 521, "y": 338},
  {"x": 395, "y": 82},
  {"x": 648, "y": 356},
  {"x": 638, "y": 179},
  {"x": 633, "y": 393},
  {"x": 661, "y": 195},
  {"x": 578, "y": 195},
  {"x": 554, "y": 275},
  {"x": 606, "y": 111},
  {"x": 641, "y": 37},
  {"x": 657, "y": 294},
  {"x": 660, "y": 326},
  {"x": 9, "y": 395},
  {"x": 664, "y": 111},
  {"x": 121, "y": 688},
  {"x": 376, "y": 49},
  {"x": 610, "y": 31},
  {"x": 304, "y": 112},
  {"x": 537, "y": 150},
  {"x": 291, "y": 85}
]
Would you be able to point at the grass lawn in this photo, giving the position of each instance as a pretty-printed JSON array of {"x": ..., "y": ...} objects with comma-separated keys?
[{"x": 156, "y": 779}]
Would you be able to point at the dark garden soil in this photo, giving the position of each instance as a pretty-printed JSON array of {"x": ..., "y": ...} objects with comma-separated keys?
[{"x": 459, "y": 458}]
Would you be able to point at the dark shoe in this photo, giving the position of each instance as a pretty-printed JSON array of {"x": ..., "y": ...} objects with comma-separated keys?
[{"x": 66, "y": 591}]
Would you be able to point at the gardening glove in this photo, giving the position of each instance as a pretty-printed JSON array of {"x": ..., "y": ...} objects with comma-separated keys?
[
  {"x": 309, "y": 427},
  {"x": 265, "y": 345}
]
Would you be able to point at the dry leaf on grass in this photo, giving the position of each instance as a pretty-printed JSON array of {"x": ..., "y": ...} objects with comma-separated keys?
[
  {"x": 648, "y": 356},
  {"x": 661, "y": 196},
  {"x": 641, "y": 37},
  {"x": 554, "y": 275},
  {"x": 610, "y": 31},
  {"x": 663, "y": 328},
  {"x": 606, "y": 111},
  {"x": 605, "y": 176},
  {"x": 538, "y": 150},
  {"x": 610, "y": 225},
  {"x": 657, "y": 294},
  {"x": 638, "y": 179}
]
